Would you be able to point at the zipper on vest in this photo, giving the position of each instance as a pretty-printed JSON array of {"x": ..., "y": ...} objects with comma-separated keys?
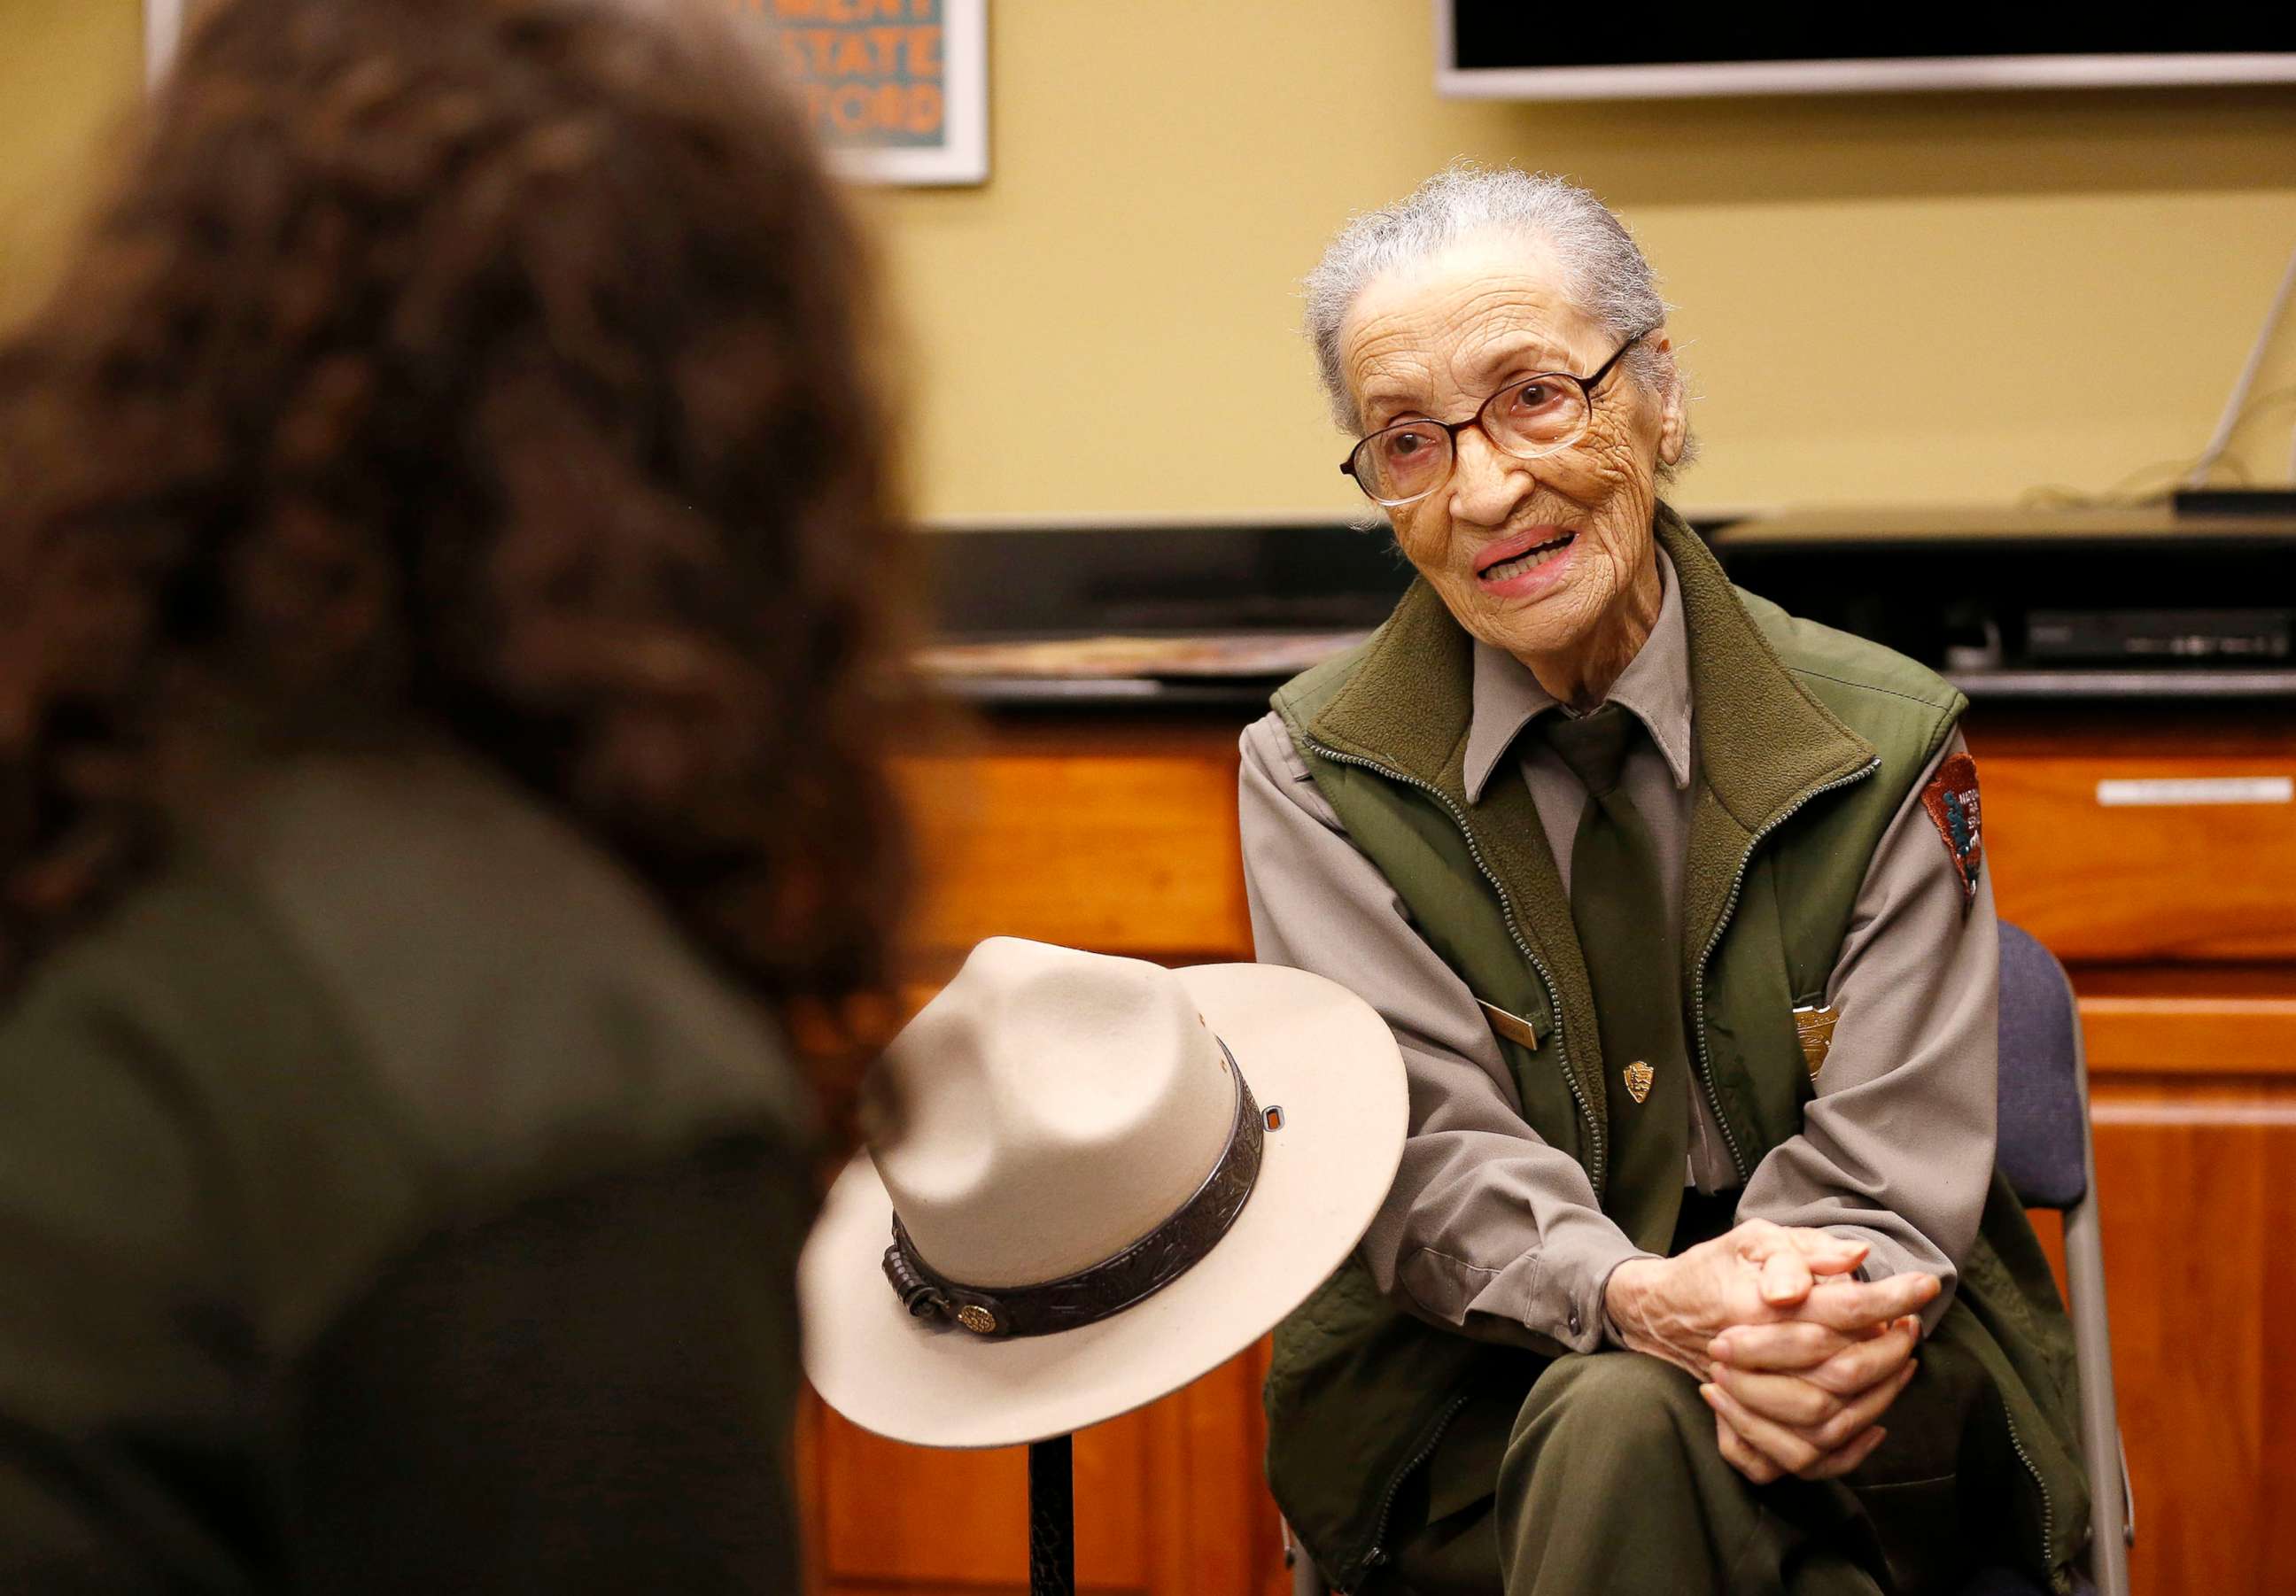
[
  {"x": 1376, "y": 1557},
  {"x": 1598, "y": 1143},
  {"x": 2048, "y": 1508},
  {"x": 1729, "y": 908}
]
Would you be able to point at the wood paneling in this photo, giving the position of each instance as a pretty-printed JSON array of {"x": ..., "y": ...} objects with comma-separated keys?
[
  {"x": 921, "y": 1519},
  {"x": 1117, "y": 850},
  {"x": 2197, "y": 1205},
  {"x": 1169, "y": 1499},
  {"x": 2179, "y": 925},
  {"x": 2192, "y": 1106},
  {"x": 2195, "y": 1031},
  {"x": 2186, "y": 882}
]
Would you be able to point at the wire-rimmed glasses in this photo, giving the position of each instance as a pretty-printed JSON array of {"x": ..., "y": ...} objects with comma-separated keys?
[{"x": 1529, "y": 418}]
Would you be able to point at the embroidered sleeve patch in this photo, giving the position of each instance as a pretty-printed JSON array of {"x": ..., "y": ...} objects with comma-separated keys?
[{"x": 1951, "y": 799}]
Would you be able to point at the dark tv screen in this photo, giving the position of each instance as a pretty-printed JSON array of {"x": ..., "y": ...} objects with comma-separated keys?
[{"x": 1510, "y": 50}]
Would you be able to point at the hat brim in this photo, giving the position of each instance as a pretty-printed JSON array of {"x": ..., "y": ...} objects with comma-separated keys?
[{"x": 1305, "y": 1044}]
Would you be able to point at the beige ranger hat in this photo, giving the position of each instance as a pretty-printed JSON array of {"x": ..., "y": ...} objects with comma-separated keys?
[{"x": 1088, "y": 1181}]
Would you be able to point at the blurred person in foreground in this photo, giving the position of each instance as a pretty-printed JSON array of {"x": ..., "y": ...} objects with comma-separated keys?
[{"x": 445, "y": 554}]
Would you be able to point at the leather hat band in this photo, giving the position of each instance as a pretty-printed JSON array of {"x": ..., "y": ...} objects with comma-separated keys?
[{"x": 1109, "y": 1287}]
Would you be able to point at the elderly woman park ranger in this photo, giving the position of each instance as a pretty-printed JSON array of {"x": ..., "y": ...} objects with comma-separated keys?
[{"x": 1697, "y": 1275}]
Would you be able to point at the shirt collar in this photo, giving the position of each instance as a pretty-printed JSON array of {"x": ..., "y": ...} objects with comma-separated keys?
[{"x": 1655, "y": 686}]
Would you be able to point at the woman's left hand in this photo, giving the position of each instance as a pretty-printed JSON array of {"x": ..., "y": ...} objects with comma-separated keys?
[{"x": 1803, "y": 1398}]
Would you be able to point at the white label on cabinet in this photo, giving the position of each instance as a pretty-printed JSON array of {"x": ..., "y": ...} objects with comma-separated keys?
[{"x": 2198, "y": 789}]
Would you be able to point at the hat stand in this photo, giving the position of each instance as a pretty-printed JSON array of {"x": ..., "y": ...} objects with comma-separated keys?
[{"x": 1052, "y": 1517}]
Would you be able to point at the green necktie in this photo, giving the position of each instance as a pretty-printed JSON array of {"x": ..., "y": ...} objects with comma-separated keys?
[{"x": 1618, "y": 905}]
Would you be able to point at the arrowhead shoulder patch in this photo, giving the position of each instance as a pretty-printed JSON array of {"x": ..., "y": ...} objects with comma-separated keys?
[{"x": 1952, "y": 801}]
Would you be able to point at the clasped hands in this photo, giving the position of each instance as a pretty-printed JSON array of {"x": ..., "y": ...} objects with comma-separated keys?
[{"x": 1798, "y": 1358}]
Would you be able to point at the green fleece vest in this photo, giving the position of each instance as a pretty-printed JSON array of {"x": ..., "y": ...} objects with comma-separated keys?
[{"x": 1807, "y": 742}]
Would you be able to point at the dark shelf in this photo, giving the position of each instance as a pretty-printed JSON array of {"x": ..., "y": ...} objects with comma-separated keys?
[
  {"x": 2134, "y": 682},
  {"x": 1920, "y": 582},
  {"x": 999, "y": 583}
]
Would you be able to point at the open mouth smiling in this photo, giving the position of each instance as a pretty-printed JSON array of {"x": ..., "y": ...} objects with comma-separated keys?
[{"x": 1533, "y": 549}]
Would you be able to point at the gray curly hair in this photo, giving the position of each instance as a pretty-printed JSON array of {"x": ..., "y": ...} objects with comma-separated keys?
[{"x": 1606, "y": 274}]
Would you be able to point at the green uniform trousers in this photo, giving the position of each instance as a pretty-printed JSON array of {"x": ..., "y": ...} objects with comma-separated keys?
[{"x": 1606, "y": 1477}]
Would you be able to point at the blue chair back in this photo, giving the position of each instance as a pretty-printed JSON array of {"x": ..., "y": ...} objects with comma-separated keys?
[
  {"x": 2044, "y": 1150},
  {"x": 2043, "y": 1131}
]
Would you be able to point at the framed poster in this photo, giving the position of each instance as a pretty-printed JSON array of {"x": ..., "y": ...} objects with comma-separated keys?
[{"x": 897, "y": 90}]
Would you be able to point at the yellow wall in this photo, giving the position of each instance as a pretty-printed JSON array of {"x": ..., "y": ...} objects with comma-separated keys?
[
  {"x": 67, "y": 68},
  {"x": 1925, "y": 299}
]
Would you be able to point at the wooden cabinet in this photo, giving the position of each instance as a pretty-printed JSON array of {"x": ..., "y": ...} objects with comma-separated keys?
[
  {"x": 1168, "y": 1500},
  {"x": 2094, "y": 855},
  {"x": 2178, "y": 923},
  {"x": 1113, "y": 838}
]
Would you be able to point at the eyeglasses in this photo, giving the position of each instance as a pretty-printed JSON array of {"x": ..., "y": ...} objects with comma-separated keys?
[{"x": 1529, "y": 418}]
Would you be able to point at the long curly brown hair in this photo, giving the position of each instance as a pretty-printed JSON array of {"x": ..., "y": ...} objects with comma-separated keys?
[{"x": 494, "y": 365}]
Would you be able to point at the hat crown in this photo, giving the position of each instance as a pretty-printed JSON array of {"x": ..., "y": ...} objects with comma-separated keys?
[{"x": 1047, "y": 1109}]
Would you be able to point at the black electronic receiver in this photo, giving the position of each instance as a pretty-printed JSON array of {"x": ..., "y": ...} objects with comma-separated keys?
[{"x": 2121, "y": 603}]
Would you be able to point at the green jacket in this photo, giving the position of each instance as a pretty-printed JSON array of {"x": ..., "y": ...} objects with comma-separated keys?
[
  {"x": 1808, "y": 742},
  {"x": 391, "y": 1199}
]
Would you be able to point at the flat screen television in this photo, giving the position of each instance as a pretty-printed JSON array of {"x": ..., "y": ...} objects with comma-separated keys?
[{"x": 1507, "y": 50}]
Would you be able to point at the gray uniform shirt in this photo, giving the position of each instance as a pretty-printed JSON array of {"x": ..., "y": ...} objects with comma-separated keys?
[{"x": 1490, "y": 1231}]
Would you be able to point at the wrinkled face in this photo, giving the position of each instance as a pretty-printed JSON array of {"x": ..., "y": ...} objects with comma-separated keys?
[{"x": 1530, "y": 555}]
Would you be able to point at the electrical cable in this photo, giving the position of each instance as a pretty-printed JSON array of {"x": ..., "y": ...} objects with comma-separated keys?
[
  {"x": 2238, "y": 398},
  {"x": 2119, "y": 495}
]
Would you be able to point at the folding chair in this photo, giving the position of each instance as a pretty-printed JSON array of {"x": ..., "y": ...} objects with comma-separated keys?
[{"x": 2045, "y": 1150}]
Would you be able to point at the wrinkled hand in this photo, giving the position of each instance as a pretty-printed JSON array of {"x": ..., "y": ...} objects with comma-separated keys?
[
  {"x": 1797, "y": 1360},
  {"x": 1803, "y": 1397},
  {"x": 1758, "y": 1274}
]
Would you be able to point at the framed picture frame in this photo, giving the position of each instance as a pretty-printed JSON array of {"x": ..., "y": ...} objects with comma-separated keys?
[{"x": 895, "y": 90}]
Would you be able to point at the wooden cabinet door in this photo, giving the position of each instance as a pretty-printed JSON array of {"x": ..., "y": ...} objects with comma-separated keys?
[
  {"x": 2194, "y": 1107},
  {"x": 1168, "y": 1503},
  {"x": 2176, "y": 854},
  {"x": 1119, "y": 844}
]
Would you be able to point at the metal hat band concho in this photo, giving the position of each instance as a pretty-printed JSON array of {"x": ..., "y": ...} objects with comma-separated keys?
[{"x": 1109, "y": 1287}]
